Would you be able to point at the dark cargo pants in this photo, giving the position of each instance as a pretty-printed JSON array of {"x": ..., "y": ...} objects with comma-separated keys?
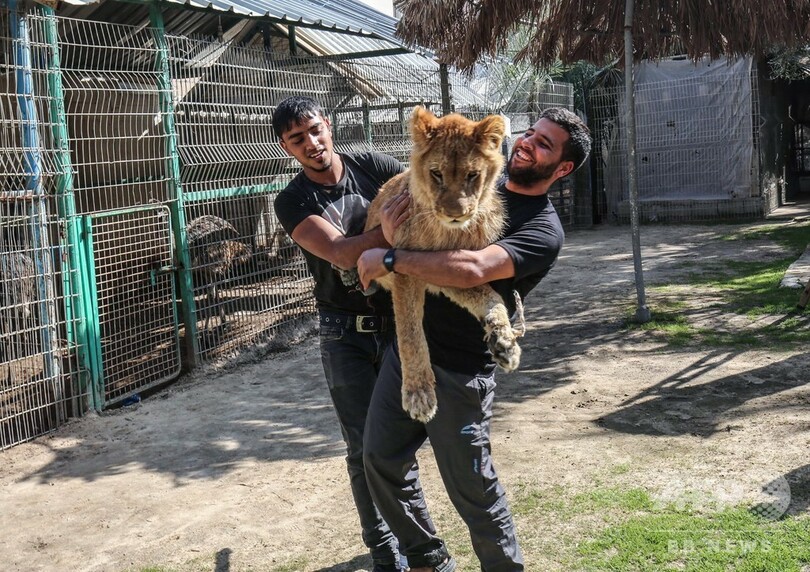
[
  {"x": 459, "y": 436},
  {"x": 351, "y": 361}
]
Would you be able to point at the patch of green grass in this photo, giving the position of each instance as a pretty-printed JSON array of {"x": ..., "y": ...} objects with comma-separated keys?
[
  {"x": 749, "y": 289},
  {"x": 620, "y": 469},
  {"x": 752, "y": 288},
  {"x": 732, "y": 539},
  {"x": 527, "y": 501},
  {"x": 672, "y": 324},
  {"x": 792, "y": 236},
  {"x": 612, "y": 498},
  {"x": 626, "y": 530}
]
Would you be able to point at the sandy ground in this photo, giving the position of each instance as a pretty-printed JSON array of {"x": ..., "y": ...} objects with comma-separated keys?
[{"x": 241, "y": 468}]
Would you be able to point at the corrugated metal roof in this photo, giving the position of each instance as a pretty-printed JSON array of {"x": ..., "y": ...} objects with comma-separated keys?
[{"x": 336, "y": 15}]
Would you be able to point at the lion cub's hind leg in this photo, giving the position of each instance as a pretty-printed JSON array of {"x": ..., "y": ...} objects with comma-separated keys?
[
  {"x": 486, "y": 305},
  {"x": 418, "y": 380}
]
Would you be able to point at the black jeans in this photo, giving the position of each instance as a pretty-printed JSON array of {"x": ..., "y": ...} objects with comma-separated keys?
[
  {"x": 351, "y": 361},
  {"x": 459, "y": 435}
]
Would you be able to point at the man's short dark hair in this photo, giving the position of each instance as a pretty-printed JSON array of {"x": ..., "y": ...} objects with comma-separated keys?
[
  {"x": 578, "y": 145},
  {"x": 293, "y": 110}
]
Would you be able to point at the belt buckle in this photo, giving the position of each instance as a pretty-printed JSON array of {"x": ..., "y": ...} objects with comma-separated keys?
[{"x": 359, "y": 325}]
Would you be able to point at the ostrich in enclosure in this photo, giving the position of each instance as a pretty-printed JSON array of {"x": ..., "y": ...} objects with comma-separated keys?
[
  {"x": 214, "y": 248},
  {"x": 17, "y": 298}
]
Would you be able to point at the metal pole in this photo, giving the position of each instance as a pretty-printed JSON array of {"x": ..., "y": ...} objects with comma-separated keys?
[
  {"x": 444, "y": 76},
  {"x": 367, "y": 124},
  {"x": 93, "y": 326},
  {"x": 176, "y": 205},
  {"x": 642, "y": 312}
]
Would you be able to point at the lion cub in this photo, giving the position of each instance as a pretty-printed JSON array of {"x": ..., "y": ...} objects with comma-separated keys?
[{"x": 455, "y": 163}]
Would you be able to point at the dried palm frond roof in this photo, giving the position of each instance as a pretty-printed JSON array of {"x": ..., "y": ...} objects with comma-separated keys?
[{"x": 461, "y": 31}]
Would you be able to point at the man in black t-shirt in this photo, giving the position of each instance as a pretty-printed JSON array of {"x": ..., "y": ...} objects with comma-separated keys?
[
  {"x": 459, "y": 433},
  {"x": 324, "y": 210}
]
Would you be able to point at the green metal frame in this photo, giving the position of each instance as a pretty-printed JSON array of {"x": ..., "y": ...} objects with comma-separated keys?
[
  {"x": 93, "y": 325},
  {"x": 73, "y": 280},
  {"x": 176, "y": 205},
  {"x": 246, "y": 191}
]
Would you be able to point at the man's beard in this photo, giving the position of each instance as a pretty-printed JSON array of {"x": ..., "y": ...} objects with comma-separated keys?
[
  {"x": 325, "y": 167},
  {"x": 327, "y": 164},
  {"x": 528, "y": 176}
]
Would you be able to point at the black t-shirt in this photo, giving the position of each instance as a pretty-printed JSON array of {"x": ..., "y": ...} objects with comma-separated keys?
[
  {"x": 345, "y": 207},
  {"x": 533, "y": 238}
]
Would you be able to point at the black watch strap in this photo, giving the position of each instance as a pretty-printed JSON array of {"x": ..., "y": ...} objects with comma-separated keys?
[{"x": 389, "y": 259}]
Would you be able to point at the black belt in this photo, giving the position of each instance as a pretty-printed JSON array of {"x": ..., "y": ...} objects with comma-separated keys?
[{"x": 357, "y": 323}]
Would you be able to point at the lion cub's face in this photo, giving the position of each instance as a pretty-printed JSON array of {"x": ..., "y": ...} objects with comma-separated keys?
[{"x": 454, "y": 163}]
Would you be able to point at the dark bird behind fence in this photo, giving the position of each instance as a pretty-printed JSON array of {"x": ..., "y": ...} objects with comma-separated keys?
[{"x": 215, "y": 249}]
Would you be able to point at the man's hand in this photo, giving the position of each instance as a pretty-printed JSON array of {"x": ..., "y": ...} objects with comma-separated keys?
[
  {"x": 393, "y": 213},
  {"x": 370, "y": 266}
]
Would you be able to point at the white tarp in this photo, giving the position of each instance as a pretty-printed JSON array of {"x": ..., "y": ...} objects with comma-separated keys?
[{"x": 694, "y": 132}]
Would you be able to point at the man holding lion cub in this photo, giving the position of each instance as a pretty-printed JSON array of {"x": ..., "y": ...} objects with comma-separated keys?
[{"x": 462, "y": 352}]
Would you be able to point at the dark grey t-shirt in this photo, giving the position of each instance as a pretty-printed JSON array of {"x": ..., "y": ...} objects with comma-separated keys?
[{"x": 344, "y": 206}]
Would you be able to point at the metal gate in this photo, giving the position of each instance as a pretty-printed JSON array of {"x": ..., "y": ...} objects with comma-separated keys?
[{"x": 135, "y": 338}]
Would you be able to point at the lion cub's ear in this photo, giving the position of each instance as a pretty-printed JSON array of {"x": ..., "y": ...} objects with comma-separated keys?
[
  {"x": 423, "y": 126},
  {"x": 491, "y": 131}
]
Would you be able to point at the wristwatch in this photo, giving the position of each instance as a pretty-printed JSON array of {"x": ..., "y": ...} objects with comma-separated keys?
[{"x": 389, "y": 259}]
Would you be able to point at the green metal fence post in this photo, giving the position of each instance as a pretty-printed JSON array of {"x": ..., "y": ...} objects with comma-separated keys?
[
  {"x": 93, "y": 325},
  {"x": 76, "y": 312},
  {"x": 176, "y": 204}
]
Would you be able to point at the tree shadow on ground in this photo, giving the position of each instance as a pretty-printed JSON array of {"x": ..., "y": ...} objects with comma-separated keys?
[{"x": 680, "y": 404}]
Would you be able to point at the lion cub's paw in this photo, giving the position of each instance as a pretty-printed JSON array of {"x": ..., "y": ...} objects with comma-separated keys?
[
  {"x": 420, "y": 403},
  {"x": 504, "y": 347}
]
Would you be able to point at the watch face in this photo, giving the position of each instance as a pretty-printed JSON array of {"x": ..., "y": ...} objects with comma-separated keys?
[{"x": 388, "y": 260}]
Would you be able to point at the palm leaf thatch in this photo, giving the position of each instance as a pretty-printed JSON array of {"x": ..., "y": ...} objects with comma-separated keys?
[{"x": 462, "y": 31}]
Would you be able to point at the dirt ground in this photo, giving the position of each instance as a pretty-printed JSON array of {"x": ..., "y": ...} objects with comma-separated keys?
[{"x": 241, "y": 467}]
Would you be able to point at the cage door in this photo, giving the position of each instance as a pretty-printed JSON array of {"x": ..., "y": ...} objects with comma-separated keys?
[{"x": 137, "y": 339}]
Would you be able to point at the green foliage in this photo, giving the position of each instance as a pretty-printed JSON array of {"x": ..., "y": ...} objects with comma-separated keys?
[
  {"x": 790, "y": 64},
  {"x": 581, "y": 75}
]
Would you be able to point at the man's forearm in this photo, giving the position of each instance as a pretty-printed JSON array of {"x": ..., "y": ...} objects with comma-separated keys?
[
  {"x": 326, "y": 242},
  {"x": 348, "y": 249},
  {"x": 449, "y": 268},
  {"x": 454, "y": 268}
]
